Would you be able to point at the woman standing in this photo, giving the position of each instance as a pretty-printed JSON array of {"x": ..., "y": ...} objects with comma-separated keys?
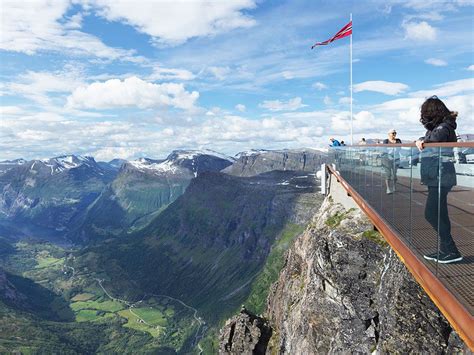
[
  {"x": 438, "y": 174},
  {"x": 390, "y": 161}
]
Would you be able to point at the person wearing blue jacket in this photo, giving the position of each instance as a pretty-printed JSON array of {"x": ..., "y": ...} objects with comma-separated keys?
[
  {"x": 439, "y": 175},
  {"x": 334, "y": 142}
]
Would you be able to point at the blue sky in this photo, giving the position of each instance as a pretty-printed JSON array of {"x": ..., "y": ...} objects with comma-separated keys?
[{"x": 130, "y": 79}]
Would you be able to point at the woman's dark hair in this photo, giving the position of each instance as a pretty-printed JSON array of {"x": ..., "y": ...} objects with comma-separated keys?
[{"x": 433, "y": 112}]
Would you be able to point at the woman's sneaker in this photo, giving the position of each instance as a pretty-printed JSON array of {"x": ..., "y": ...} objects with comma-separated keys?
[
  {"x": 447, "y": 258},
  {"x": 444, "y": 258},
  {"x": 432, "y": 256}
]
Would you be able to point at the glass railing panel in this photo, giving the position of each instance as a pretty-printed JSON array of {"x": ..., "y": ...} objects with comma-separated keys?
[
  {"x": 456, "y": 221},
  {"x": 400, "y": 193},
  {"x": 428, "y": 200},
  {"x": 424, "y": 219}
]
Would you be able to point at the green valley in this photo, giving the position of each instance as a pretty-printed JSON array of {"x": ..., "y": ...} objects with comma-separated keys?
[{"x": 61, "y": 306}]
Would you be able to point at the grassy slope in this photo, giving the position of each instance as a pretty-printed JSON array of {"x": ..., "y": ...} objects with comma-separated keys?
[{"x": 256, "y": 302}]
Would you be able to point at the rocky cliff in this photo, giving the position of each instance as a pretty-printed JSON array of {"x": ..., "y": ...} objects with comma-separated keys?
[
  {"x": 342, "y": 289},
  {"x": 256, "y": 162},
  {"x": 245, "y": 333}
]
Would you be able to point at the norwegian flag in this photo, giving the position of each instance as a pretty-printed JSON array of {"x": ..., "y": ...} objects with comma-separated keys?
[{"x": 344, "y": 32}]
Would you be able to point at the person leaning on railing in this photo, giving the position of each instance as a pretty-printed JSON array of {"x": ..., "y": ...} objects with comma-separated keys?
[{"x": 439, "y": 176}]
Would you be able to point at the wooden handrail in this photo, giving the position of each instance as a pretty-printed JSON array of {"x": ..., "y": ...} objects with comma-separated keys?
[{"x": 457, "y": 315}]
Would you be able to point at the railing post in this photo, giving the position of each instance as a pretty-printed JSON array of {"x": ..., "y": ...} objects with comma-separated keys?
[{"x": 323, "y": 179}]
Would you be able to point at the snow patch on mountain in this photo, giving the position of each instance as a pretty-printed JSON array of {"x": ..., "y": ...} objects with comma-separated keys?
[
  {"x": 13, "y": 162},
  {"x": 250, "y": 152},
  {"x": 166, "y": 166},
  {"x": 63, "y": 163},
  {"x": 193, "y": 154}
]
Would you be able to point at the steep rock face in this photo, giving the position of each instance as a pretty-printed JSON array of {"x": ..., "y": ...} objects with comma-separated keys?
[
  {"x": 343, "y": 290},
  {"x": 245, "y": 333},
  {"x": 257, "y": 162}
]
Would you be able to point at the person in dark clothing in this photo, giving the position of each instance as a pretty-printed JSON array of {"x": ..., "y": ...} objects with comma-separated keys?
[{"x": 438, "y": 174}]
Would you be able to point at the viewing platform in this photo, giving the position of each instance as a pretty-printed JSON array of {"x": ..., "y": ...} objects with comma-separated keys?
[{"x": 385, "y": 181}]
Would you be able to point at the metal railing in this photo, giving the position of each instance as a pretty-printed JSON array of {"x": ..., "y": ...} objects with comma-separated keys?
[{"x": 423, "y": 204}]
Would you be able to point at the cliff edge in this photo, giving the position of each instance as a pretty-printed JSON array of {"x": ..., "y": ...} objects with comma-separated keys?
[{"x": 342, "y": 289}]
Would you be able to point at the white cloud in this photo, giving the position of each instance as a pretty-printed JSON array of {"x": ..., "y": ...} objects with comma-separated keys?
[
  {"x": 214, "y": 111},
  {"x": 111, "y": 139},
  {"x": 344, "y": 100},
  {"x": 160, "y": 73},
  {"x": 445, "y": 5},
  {"x": 464, "y": 104},
  {"x": 430, "y": 16},
  {"x": 363, "y": 121},
  {"x": 319, "y": 86},
  {"x": 74, "y": 22},
  {"x": 131, "y": 92},
  {"x": 174, "y": 22},
  {"x": 458, "y": 96},
  {"x": 419, "y": 31},
  {"x": 219, "y": 72},
  {"x": 327, "y": 100},
  {"x": 277, "y": 105},
  {"x": 38, "y": 86},
  {"x": 471, "y": 67},
  {"x": 32, "y": 26},
  {"x": 436, "y": 62},
  {"x": 240, "y": 107},
  {"x": 271, "y": 123},
  {"x": 109, "y": 153},
  {"x": 11, "y": 110},
  {"x": 26, "y": 26},
  {"x": 385, "y": 87},
  {"x": 449, "y": 88},
  {"x": 36, "y": 135},
  {"x": 288, "y": 75},
  {"x": 31, "y": 135}
]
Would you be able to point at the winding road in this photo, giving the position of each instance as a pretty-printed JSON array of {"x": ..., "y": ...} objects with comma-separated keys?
[
  {"x": 195, "y": 312},
  {"x": 131, "y": 305}
]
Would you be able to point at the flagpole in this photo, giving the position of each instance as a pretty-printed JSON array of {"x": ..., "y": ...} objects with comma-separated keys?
[{"x": 352, "y": 138}]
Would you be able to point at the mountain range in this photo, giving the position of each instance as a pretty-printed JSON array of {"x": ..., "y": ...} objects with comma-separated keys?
[
  {"x": 198, "y": 227},
  {"x": 77, "y": 199}
]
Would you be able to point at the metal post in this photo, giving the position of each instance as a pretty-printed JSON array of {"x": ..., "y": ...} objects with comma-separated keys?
[
  {"x": 352, "y": 138},
  {"x": 323, "y": 179}
]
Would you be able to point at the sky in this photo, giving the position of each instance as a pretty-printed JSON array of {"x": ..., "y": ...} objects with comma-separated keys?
[{"x": 129, "y": 79}]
